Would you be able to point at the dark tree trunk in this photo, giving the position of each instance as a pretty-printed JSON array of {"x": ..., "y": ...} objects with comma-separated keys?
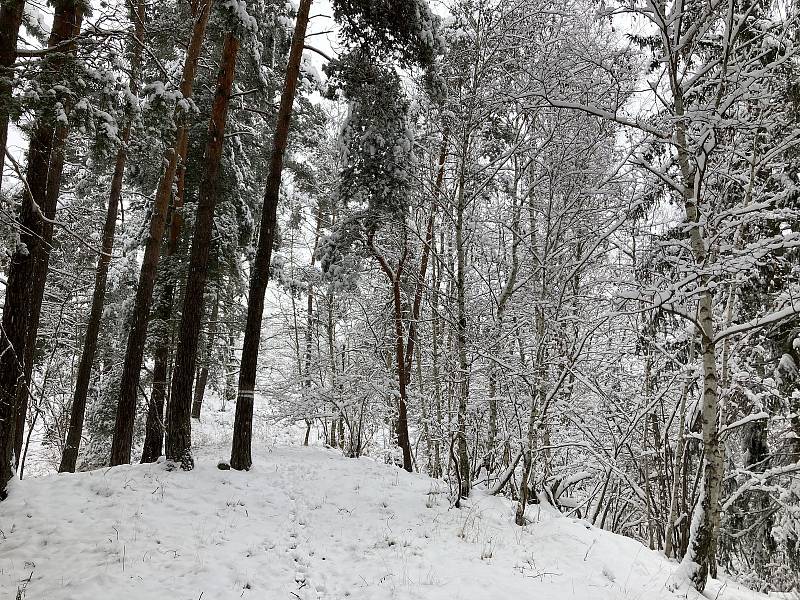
[
  {"x": 134, "y": 352},
  {"x": 306, "y": 367},
  {"x": 402, "y": 414},
  {"x": 461, "y": 333},
  {"x": 29, "y": 262},
  {"x": 41, "y": 265},
  {"x": 154, "y": 424},
  {"x": 241, "y": 457},
  {"x": 10, "y": 20},
  {"x": 200, "y": 383},
  {"x": 202, "y": 376},
  {"x": 70, "y": 456},
  {"x": 394, "y": 277},
  {"x": 179, "y": 423}
]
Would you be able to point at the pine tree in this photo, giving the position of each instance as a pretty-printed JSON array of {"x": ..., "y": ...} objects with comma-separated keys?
[
  {"x": 29, "y": 264},
  {"x": 126, "y": 409},
  {"x": 179, "y": 427},
  {"x": 70, "y": 454}
]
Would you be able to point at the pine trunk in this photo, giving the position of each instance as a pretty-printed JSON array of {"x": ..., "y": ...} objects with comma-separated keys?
[
  {"x": 401, "y": 424},
  {"x": 41, "y": 265},
  {"x": 179, "y": 422},
  {"x": 394, "y": 277},
  {"x": 241, "y": 457},
  {"x": 159, "y": 397},
  {"x": 134, "y": 352},
  {"x": 154, "y": 425},
  {"x": 202, "y": 377},
  {"x": 10, "y": 20},
  {"x": 29, "y": 263},
  {"x": 70, "y": 455}
]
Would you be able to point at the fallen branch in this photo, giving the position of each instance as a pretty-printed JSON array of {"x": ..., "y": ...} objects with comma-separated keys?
[{"x": 506, "y": 476}]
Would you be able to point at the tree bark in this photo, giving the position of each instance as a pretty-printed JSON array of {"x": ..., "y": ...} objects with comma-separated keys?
[
  {"x": 77, "y": 413},
  {"x": 154, "y": 425},
  {"x": 435, "y": 334},
  {"x": 159, "y": 397},
  {"x": 179, "y": 423},
  {"x": 461, "y": 334},
  {"x": 505, "y": 295},
  {"x": 309, "y": 333},
  {"x": 134, "y": 352},
  {"x": 10, "y": 19},
  {"x": 241, "y": 457},
  {"x": 29, "y": 263},
  {"x": 702, "y": 545},
  {"x": 394, "y": 277},
  {"x": 672, "y": 515},
  {"x": 41, "y": 266},
  {"x": 202, "y": 378}
]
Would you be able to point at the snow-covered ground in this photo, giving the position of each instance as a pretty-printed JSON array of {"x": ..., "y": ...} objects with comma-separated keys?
[{"x": 305, "y": 523}]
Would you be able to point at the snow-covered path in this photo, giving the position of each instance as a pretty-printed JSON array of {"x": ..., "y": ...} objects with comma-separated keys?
[{"x": 304, "y": 523}]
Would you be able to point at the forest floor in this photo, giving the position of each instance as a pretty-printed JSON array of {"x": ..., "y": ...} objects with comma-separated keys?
[{"x": 305, "y": 523}]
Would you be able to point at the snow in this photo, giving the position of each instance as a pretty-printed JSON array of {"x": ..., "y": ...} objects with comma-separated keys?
[
  {"x": 759, "y": 416},
  {"x": 305, "y": 523}
]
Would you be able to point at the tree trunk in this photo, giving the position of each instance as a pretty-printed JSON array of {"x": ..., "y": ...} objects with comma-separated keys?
[
  {"x": 241, "y": 457},
  {"x": 672, "y": 515},
  {"x": 10, "y": 19},
  {"x": 70, "y": 455},
  {"x": 179, "y": 423},
  {"x": 435, "y": 334},
  {"x": 402, "y": 414},
  {"x": 159, "y": 397},
  {"x": 394, "y": 277},
  {"x": 202, "y": 378},
  {"x": 505, "y": 295},
  {"x": 461, "y": 336},
  {"x": 134, "y": 352},
  {"x": 41, "y": 266},
  {"x": 702, "y": 546},
  {"x": 309, "y": 333},
  {"x": 29, "y": 263},
  {"x": 154, "y": 425}
]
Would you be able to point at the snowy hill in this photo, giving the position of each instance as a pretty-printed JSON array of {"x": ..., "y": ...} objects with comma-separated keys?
[{"x": 305, "y": 523}]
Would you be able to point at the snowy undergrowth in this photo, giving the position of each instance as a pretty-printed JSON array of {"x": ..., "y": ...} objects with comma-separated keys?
[{"x": 305, "y": 523}]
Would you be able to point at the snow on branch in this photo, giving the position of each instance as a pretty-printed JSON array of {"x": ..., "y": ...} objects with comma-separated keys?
[{"x": 758, "y": 322}]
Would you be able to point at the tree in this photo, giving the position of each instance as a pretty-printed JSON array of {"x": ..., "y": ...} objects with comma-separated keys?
[
  {"x": 10, "y": 20},
  {"x": 126, "y": 409},
  {"x": 406, "y": 28},
  {"x": 29, "y": 264},
  {"x": 241, "y": 458},
  {"x": 70, "y": 454},
  {"x": 179, "y": 428}
]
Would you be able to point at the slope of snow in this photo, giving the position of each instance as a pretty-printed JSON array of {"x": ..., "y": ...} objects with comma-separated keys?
[{"x": 304, "y": 524}]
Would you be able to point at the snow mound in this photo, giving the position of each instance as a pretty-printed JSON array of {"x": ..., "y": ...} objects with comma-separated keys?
[{"x": 304, "y": 524}]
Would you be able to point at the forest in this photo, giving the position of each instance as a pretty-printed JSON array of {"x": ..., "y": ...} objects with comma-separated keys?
[{"x": 542, "y": 251}]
